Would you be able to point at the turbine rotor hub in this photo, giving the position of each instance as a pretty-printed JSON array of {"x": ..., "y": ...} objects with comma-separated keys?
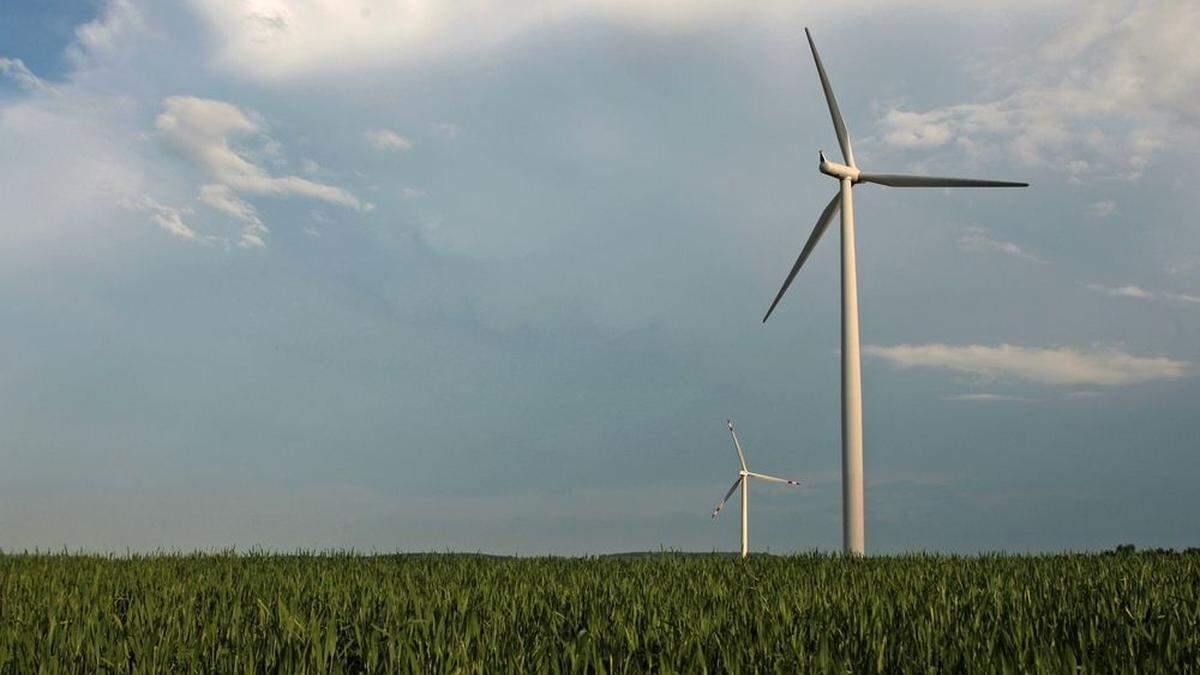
[{"x": 838, "y": 171}]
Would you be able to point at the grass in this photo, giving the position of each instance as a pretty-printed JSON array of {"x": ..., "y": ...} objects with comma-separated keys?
[{"x": 227, "y": 613}]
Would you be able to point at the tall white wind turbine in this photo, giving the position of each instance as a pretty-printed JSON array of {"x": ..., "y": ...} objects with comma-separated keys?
[
  {"x": 848, "y": 174},
  {"x": 743, "y": 481}
]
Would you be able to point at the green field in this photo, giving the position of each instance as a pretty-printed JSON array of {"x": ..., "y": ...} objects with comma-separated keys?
[{"x": 671, "y": 612}]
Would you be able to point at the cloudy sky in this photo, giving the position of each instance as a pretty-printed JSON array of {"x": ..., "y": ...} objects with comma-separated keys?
[{"x": 436, "y": 276}]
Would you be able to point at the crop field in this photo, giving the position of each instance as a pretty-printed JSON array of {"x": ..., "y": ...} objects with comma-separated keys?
[{"x": 227, "y": 613}]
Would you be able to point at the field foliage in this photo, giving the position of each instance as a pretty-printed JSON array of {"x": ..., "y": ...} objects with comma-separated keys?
[{"x": 249, "y": 613}]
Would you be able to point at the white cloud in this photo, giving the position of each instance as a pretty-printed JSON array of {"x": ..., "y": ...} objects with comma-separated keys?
[
  {"x": 15, "y": 70},
  {"x": 1127, "y": 291},
  {"x": 221, "y": 198},
  {"x": 281, "y": 39},
  {"x": 1103, "y": 208},
  {"x": 1184, "y": 297},
  {"x": 1131, "y": 291},
  {"x": 989, "y": 397},
  {"x": 977, "y": 239},
  {"x": 916, "y": 130},
  {"x": 107, "y": 34},
  {"x": 1182, "y": 264},
  {"x": 447, "y": 130},
  {"x": 202, "y": 129},
  {"x": 388, "y": 140},
  {"x": 1100, "y": 97},
  {"x": 168, "y": 218},
  {"x": 278, "y": 39},
  {"x": 1053, "y": 366}
]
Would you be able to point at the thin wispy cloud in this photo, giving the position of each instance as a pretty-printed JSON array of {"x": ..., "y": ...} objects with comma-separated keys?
[
  {"x": 169, "y": 218},
  {"x": 15, "y": 70},
  {"x": 388, "y": 140},
  {"x": 1052, "y": 366},
  {"x": 989, "y": 397},
  {"x": 977, "y": 239},
  {"x": 447, "y": 130},
  {"x": 1103, "y": 208},
  {"x": 1126, "y": 291},
  {"x": 1139, "y": 293},
  {"x": 1184, "y": 297},
  {"x": 222, "y": 198}
]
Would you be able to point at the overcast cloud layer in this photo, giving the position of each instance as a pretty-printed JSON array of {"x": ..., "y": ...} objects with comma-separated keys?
[{"x": 417, "y": 275}]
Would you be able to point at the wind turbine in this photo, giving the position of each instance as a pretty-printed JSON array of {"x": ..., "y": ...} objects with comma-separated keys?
[
  {"x": 743, "y": 480},
  {"x": 848, "y": 174}
]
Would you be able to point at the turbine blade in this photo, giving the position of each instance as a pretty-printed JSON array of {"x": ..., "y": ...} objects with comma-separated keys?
[
  {"x": 822, "y": 224},
  {"x": 773, "y": 478},
  {"x": 726, "y": 497},
  {"x": 839, "y": 125},
  {"x": 737, "y": 444},
  {"x": 904, "y": 180}
]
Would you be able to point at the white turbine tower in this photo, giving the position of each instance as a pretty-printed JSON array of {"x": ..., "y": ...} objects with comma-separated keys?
[
  {"x": 743, "y": 480},
  {"x": 853, "y": 521}
]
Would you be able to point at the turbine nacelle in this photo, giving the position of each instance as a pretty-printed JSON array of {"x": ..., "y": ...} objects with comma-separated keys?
[{"x": 838, "y": 171}]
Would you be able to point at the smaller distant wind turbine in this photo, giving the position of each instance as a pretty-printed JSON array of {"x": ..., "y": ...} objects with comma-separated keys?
[{"x": 743, "y": 480}]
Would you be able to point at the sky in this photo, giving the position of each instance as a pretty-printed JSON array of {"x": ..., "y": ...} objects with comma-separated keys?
[{"x": 428, "y": 276}]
